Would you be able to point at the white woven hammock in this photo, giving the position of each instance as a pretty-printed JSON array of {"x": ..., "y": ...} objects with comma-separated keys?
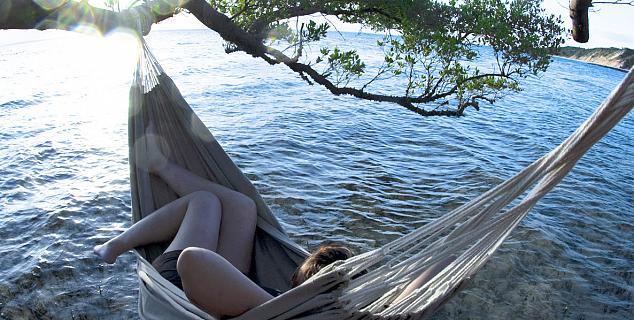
[{"x": 361, "y": 287}]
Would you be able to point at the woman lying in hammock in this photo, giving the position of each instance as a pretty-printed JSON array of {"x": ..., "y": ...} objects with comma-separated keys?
[{"x": 212, "y": 230}]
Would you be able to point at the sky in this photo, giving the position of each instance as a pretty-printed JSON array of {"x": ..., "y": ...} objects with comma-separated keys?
[{"x": 610, "y": 25}]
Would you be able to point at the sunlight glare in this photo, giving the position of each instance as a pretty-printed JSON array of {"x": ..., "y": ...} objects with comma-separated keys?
[
  {"x": 87, "y": 29},
  {"x": 104, "y": 66},
  {"x": 199, "y": 129}
]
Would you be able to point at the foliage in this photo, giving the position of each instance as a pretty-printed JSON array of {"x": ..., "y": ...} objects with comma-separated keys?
[{"x": 434, "y": 47}]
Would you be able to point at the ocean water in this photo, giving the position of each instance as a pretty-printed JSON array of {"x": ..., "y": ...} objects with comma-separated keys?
[{"x": 331, "y": 168}]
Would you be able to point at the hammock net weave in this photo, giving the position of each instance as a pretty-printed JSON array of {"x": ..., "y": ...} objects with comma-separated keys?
[{"x": 364, "y": 286}]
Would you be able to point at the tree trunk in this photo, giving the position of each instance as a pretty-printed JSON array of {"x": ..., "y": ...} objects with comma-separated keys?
[{"x": 579, "y": 16}]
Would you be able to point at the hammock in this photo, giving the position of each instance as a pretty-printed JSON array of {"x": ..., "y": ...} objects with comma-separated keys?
[{"x": 363, "y": 286}]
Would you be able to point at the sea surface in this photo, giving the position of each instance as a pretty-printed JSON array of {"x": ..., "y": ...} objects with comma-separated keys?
[{"x": 331, "y": 168}]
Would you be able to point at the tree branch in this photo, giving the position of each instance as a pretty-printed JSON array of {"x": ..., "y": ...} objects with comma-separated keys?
[
  {"x": 26, "y": 14},
  {"x": 67, "y": 15}
]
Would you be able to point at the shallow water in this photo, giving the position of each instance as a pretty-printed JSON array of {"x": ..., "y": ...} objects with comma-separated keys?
[{"x": 330, "y": 167}]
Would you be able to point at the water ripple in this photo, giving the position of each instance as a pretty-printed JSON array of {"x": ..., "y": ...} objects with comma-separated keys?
[{"x": 331, "y": 168}]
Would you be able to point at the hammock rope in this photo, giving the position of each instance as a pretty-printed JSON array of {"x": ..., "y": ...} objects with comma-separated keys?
[
  {"x": 488, "y": 228},
  {"x": 363, "y": 286}
]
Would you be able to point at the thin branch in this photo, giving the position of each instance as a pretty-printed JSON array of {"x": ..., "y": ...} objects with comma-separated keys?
[
  {"x": 628, "y": 3},
  {"x": 293, "y": 12},
  {"x": 410, "y": 83},
  {"x": 333, "y": 26},
  {"x": 379, "y": 73},
  {"x": 302, "y": 11}
]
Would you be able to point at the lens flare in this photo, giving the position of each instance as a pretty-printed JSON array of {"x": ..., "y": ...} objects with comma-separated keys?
[
  {"x": 87, "y": 29},
  {"x": 50, "y": 4},
  {"x": 199, "y": 129}
]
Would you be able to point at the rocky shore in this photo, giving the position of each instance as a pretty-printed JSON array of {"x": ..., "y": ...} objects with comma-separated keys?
[{"x": 610, "y": 57}]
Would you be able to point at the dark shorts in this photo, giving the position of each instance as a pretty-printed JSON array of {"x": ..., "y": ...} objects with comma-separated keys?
[{"x": 165, "y": 264}]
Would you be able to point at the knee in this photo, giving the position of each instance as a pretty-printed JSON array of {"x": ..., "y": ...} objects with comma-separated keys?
[
  {"x": 191, "y": 263},
  {"x": 248, "y": 205},
  {"x": 187, "y": 262},
  {"x": 245, "y": 207},
  {"x": 205, "y": 198}
]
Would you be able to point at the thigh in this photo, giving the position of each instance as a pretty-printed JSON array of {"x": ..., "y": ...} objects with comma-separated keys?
[
  {"x": 215, "y": 285},
  {"x": 237, "y": 229},
  {"x": 200, "y": 226}
]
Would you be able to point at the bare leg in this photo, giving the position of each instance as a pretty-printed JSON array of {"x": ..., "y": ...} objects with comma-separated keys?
[
  {"x": 239, "y": 215},
  {"x": 193, "y": 220},
  {"x": 425, "y": 276},
  {"x": 212, "y": 283}
]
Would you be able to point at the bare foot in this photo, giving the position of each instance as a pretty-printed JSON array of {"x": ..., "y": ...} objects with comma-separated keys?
[
  {"x": 155, "y": 158},
  {"x": 108, "y": 252}
]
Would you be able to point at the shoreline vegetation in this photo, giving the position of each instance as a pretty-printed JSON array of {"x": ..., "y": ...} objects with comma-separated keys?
[{"x": 621, "y": 59}]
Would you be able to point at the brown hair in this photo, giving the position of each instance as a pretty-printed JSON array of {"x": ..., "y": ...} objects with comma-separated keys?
[{"x": 323, "y": 256}]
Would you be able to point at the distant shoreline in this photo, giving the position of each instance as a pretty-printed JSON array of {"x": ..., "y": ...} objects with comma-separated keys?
[
  {"x": 613, "y": 58},
  {"x": 593, "y": 63},
  {"x": 620, "y": 59}
]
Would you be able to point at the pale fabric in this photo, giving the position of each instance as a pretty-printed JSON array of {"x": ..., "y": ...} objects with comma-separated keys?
[
  {"x": 472, "y": 232},
  {"x": 154, "y": 97}
]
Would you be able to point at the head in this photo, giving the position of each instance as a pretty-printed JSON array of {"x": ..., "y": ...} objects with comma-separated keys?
[{"x": 323, "y": 256}]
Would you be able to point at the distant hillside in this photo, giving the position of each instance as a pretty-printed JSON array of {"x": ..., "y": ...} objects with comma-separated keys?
[{"x": 609, "y": 57}]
